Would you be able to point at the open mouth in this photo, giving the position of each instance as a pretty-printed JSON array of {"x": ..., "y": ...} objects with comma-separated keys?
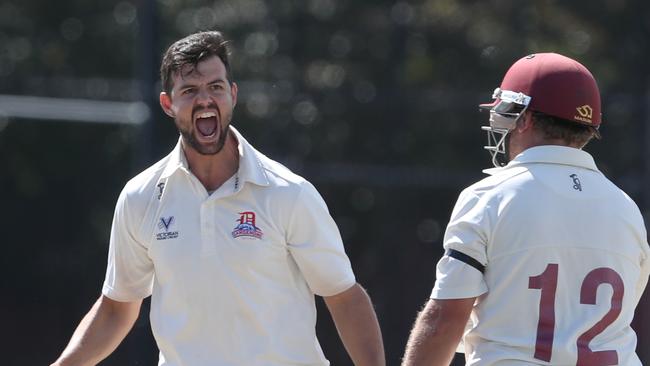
[{"x": 207, "y": 124}]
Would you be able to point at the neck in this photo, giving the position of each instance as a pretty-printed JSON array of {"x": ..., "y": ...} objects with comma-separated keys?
[
  {"x": 517, "y": 149},
  {"x": 213, "y": 170}
]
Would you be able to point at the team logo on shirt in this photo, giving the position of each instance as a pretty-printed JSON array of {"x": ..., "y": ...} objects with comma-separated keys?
[
  {"x": 165, "y": 225},
  {"x": 161, "y": 188},
  {"x": 246, "y": 226},
  {"x": 576, "y": 182}
]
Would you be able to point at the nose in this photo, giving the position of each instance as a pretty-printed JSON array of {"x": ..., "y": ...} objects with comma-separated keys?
[{"x": 203, "y": 98}]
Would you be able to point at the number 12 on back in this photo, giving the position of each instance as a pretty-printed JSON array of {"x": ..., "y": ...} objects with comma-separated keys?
[{"x": 547, "y": 283}]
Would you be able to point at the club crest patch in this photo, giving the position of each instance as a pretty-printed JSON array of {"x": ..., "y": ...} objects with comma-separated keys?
[{"x": 246, "y": 226}]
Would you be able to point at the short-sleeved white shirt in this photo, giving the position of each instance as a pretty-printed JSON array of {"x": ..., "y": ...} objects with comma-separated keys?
[
  {"x": 232, "y": 274},
  {"x": 562, "y": 249}
]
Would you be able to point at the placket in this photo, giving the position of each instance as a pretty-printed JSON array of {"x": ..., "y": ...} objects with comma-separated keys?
[
  {"x": 209, "y": 222},
  {"x": 208, "y": 228}
]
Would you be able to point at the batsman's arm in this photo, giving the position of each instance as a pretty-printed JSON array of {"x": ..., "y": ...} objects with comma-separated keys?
[
  {"x": 357, "y": 324},
  {"x": 100, "y": 332},
  {"x": 437, "y": 331}
]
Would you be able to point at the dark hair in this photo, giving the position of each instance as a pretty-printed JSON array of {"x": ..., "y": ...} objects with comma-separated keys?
[
  {"x": 189, "y": 51},
  {"x": 553, "y": 128}
]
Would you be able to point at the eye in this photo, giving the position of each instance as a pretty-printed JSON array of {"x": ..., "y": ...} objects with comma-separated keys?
[
  {"x": 187, "y": 91},
  {"x": 216, "y": 86}
]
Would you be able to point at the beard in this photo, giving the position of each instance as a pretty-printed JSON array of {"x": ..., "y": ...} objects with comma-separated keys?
[
  {"x": 212, "y": 149},
  {"x": 189, "y": 137}
]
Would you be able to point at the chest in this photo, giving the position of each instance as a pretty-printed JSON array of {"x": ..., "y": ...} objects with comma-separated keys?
[{"x": 192, "y": 234}]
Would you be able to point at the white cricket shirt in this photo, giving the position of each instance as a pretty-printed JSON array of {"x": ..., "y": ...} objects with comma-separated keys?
[
  {"x": 565, "y": 260},
  {"x": 232, "y": 275}
]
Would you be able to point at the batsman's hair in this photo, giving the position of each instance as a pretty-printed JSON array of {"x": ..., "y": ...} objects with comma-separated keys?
[
  {"x": 573, "y": 134},
  {"x": 183, "y": 56}
]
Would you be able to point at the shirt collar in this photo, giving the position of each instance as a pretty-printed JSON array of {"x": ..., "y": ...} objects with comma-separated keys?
[
  {"x": 250, "y": 165},
  {"x": 176, "y": 161},
  {"x": 251, "y": 168},
  {"x": 550, "y": 154}
]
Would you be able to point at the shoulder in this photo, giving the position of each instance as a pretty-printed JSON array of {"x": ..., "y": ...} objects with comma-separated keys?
[
  {"x": 280, "y": 176},
  {"x": 616, "y": 191},
  {"x": 140, "y": 189},
  {"x": 498, "y": 179},
  {"x": 276, "y": 174},
  {"x": 137, "y": 197},
  {"x": 290, "y": 191},
  {"x": 279, "y": 184},
  {"x": 489, "y": 191},
  {"x": 626, "y": 203}
]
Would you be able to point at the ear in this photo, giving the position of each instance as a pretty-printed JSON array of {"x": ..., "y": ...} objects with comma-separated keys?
[
  {"x": 233, "y": 93},
  {"x": 166, "y": 104},
  {"x": 525, "y": 122}
]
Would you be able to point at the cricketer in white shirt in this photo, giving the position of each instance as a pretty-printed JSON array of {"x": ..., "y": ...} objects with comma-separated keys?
[
  {"x": 557, "y": 256},
  {"x": 546, "y": 259},
  {"x": 231, "y": 246},
  {"x": 232, "y": 274}
]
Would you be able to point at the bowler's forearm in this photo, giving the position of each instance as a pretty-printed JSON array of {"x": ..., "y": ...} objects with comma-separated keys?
[
  {"x": 99, "y": 332},
  {"x": 357, "y": 325}
]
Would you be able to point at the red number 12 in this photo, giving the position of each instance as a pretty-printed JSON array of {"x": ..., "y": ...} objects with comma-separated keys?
[{"x": 547, "y": 283}]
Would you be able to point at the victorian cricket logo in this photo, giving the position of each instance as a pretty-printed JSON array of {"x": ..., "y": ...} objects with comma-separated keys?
[
  {"x": 246, "y": 226},
  {"x": 164, "y": 225}
]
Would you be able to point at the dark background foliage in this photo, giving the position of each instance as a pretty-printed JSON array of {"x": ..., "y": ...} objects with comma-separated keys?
[{"x": 373, "y": 101}]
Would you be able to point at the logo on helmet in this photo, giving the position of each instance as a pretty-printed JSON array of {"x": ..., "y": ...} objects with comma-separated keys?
[{"x": 585, "y": 114}]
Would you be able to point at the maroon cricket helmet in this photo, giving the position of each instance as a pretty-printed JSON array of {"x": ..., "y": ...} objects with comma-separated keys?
[{"x": 557, "y": 86}]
